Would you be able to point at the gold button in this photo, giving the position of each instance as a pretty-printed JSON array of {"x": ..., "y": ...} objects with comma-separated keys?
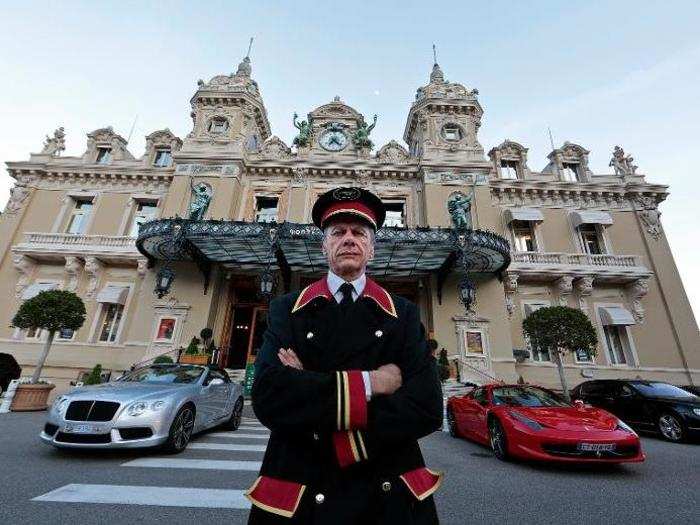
[
  {"x": 379, "y": 333},
  {"x": 320, "y": 498},
  {"x": 386, "y": 486},
  {"x": 309, "y": 335}
]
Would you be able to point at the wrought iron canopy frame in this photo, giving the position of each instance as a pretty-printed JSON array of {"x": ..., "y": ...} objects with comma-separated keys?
[{"x": 289, "y": 247}]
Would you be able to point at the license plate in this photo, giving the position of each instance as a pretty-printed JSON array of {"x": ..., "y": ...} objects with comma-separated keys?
[
  {"x": 83, "y": 429},
  {"x": 596, "y": 447}
]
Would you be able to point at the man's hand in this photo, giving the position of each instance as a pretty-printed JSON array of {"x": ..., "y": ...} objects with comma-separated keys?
[
  {"x": 289, "y": 358},
  {"x": 385, "y": 380}
]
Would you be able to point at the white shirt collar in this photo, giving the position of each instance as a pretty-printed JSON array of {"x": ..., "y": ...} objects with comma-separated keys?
[{"x": 334, "y": 282}]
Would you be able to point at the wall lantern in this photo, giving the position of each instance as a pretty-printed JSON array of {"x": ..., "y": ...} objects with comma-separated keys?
[
  {"x": 164, "y": 279},
  {"x": 267, "y": 283},
  {"x": 467, "y": 293}
]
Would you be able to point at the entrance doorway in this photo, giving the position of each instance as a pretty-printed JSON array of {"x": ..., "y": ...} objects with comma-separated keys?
[
  {"x": 247, "y": 328},
  {"x": 246, "y": 324}
]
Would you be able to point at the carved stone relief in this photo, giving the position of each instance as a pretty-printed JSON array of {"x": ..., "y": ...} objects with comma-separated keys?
[
  {"x": 18, "y": 197},
  {"x": 25, "y": 266},
  {"x": 510, "y": 287},
  {"x": 636, "y": 292},
  {"x": 94, "y": 268},
  {"x": 564, "y": 286},
  {"x": 650, "y": 215},
  {"x": 72, "y": 267},
  {"x": 584, "y": 287}
]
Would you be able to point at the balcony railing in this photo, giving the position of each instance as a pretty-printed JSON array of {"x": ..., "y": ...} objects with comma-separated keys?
[
  {"x": 541, "y": 265},
  {"x": 578, "y": 259},
  {"x": 46, "y": 245}
]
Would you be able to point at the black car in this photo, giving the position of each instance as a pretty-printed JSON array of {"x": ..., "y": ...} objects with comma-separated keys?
[
  {"x": 9, "y": 370},
  {"x": 646, "y": 405}
]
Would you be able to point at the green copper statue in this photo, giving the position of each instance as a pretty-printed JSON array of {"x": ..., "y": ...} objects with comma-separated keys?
[
  {"x": 304, "y": 137},
  {"x": 201, "y": 197},
  {"x": 361, "y": 137},
  {"x": 460, "y": 207}
]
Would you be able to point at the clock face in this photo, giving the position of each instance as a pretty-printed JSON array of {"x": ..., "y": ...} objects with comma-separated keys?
[{"x": 333, "y": 140}]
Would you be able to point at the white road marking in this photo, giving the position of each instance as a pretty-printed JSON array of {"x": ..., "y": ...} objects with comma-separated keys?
[
  {"x": 203, "y": 464},
  {"x": 227, "y": 446},
  {"x": 236, "y": 435},
  {"x": 256, "y": 429},
  {"x": 155, "y": 496}
]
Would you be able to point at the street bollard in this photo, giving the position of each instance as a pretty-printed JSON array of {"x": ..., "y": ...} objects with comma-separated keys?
[{"x": 9, "y": 396}]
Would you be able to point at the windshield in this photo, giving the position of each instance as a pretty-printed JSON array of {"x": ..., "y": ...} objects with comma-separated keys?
[
  {"x": 662, "y": 390},
  {"x": 526, "y": 396},
  {"x": 164, "y": 374}
]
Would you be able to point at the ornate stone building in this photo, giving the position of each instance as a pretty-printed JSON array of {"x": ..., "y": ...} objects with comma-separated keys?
[{"x": 226, "y": 212}]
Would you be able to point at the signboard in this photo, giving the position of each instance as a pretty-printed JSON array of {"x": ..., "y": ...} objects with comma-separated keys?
[{"x": 248, "y": 381}]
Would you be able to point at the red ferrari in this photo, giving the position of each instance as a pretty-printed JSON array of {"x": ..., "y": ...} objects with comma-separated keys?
[{"x": 529, "y": 422}]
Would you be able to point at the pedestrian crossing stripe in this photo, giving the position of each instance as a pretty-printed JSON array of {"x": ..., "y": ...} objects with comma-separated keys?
[
  {"x": 200, "y": 464},
  {"x": 145, "y": 495},
  {"x": 255, "y": 429},
  {"x": 236, "y": 435},
  {"x": 226, "y": 446}
]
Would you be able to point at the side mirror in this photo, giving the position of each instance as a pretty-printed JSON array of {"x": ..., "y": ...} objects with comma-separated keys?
[{"x": 216, "y": 382}]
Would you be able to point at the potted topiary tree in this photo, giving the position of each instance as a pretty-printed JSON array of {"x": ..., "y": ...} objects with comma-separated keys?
[
  {"x": 50, "y": 310},
  {"x": 95, "y": 376},
  {"x": 560, "y": 330},
  {"x": 192, "y": 355},
  {"x": 443, "y": 366}
]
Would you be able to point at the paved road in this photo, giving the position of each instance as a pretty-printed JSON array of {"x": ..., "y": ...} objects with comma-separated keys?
[{"x": 205, "y": 483}]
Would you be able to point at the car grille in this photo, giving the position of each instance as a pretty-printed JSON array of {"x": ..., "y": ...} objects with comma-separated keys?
[
  {"x": 64, "y": 437},
  {"x": 50, "y": 429},
  {"x": 571, "y": 450},
  {"x": 91, "y": 410},
  {"x": 135, "y": 433}
]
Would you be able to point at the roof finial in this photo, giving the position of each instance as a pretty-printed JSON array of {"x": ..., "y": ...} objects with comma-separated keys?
[
  {"x": 436, "y": 75},
  {"x": 250, "y": 45},
  {"x": 244, "y": 68},
  {"x": 434, "y": 55}
]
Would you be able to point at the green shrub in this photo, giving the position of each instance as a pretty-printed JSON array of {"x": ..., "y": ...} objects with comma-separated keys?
[
  {"x": 95, "y": 377},
  {"x": 193, "y": 347},
  {"x": 163, "y": 360}
]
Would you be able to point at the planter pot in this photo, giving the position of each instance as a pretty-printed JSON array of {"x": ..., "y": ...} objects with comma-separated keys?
[
  {"x": 31, "y": 397},
  {"x": 194, "y": 359}
]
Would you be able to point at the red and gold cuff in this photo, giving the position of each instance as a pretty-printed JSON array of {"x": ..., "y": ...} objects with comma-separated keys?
[
  {"x": 422, "y": 482},
  {"x": 351, "y": 400},
  {"x": 349, "y": 447},
  {"x": 276, "y": 495}
]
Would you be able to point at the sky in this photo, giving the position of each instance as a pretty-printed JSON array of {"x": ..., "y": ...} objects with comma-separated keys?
[{"x": 597, "y": 73}]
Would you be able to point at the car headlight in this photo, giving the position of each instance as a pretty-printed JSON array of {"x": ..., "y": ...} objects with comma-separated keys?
[
  {"x": 696, "y": 411},
  {"x": 59, "y": 404},
  {"x": 138, "y": 408},
  {"x": 621, "y": 425},
  {"x": 534, "y": 425}
]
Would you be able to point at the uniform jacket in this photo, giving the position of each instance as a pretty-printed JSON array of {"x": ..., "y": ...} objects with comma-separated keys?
[{"x": 334, "y": 457}]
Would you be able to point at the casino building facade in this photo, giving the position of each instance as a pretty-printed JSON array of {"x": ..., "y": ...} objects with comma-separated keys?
[{"x": 219, "y": 221}]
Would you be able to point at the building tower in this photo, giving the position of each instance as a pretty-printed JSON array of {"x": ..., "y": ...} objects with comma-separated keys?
[{"x": 443, "y": 122}]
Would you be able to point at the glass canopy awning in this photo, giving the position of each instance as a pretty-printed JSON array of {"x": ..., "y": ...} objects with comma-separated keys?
[{"x": 291, "y": 247}]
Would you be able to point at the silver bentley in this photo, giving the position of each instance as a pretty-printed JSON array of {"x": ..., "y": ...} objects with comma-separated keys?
[{"x": 157, "y": 405}]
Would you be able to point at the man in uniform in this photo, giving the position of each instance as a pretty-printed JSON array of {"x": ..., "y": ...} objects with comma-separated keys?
[{"x": 346, "y": 384}]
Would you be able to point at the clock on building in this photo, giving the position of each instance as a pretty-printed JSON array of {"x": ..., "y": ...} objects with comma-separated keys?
[{"x": 333, "y": 139}]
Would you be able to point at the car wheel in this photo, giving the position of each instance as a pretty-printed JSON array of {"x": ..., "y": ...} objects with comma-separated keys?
[
  {"x": 180, "y": 430},
  {"x": 451, "y": 425},
  {"x": 670, "y": 428},
  {"x": 235, "y": 420},
  {"x": 497, "y": 438}
]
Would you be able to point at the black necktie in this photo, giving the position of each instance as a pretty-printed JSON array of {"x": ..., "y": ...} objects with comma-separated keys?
[{"x": 346, "y": 301}]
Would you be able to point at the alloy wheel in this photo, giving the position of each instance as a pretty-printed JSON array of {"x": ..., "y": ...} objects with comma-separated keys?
[
  {"x": 237, "y": 415},
  {"x": 182, "y": 428},
  {"x": 498, "y": 440},
  {"x": 670, "y": 428}
]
